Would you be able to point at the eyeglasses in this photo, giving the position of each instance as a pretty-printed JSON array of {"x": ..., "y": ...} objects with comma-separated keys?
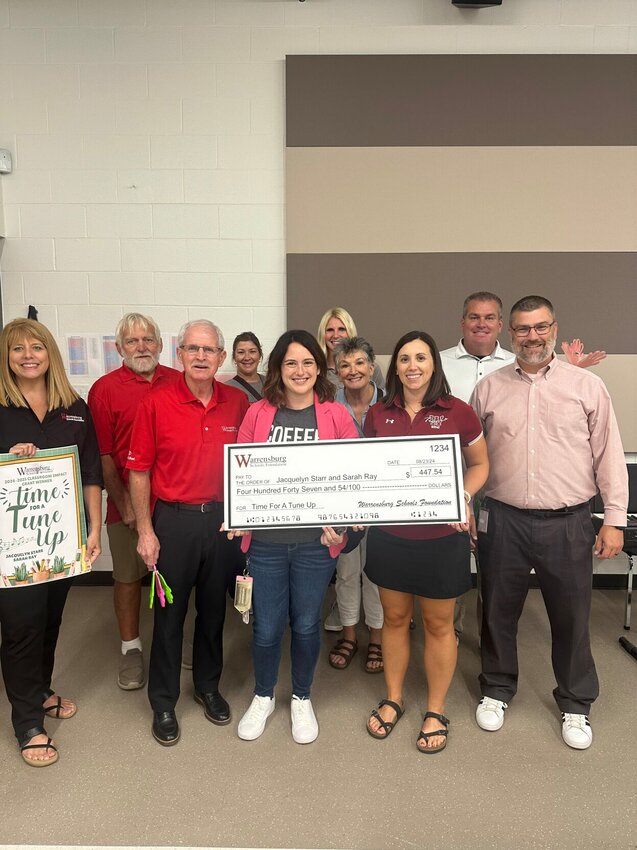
[
  {"x": 208, "y": 350},
  {"x": 541, "y": 329}
]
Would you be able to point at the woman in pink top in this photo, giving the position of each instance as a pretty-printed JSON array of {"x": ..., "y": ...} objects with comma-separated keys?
[{"x": 291, "y": 567}]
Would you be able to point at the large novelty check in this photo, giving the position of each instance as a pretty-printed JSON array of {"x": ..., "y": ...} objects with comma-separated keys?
[{"x": 384, "y": 481}]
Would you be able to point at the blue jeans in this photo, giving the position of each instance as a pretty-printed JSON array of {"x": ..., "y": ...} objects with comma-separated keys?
[{"x": 289, "y": 583}]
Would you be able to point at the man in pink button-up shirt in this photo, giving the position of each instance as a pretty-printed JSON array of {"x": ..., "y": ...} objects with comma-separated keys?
[{"x": 553, "y": 442}]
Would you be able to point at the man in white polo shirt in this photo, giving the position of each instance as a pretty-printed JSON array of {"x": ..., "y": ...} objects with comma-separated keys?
[{"x": 477, "y": 354}]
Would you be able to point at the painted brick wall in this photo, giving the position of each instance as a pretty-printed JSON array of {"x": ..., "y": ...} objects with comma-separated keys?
[{"x": 148, "y": 140}]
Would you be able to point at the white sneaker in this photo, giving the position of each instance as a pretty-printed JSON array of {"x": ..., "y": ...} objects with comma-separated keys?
[
  {"x": 304, "y": 723},
  {"x": 576, "y": 731},
  {"x": 490, "y": 714},
  {"x": 333, "y": 619},
  {"x": 253, "y": 722}
]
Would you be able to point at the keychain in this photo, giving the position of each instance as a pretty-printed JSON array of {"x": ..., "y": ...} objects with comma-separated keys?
[
  {"x": 243, "y": 593},
  {"x": 158, "y": 584}
]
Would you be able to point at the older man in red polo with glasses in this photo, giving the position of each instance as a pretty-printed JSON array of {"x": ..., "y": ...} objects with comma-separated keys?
[{"x": 175, "y": 468}]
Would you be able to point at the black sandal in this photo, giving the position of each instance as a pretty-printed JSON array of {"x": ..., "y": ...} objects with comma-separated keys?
[
  {"x": 343, "y": 651},
  {"x": 386, "y": 725},
  {"x": 24, "y": 744},
  {"x": 55, "y": 710},
  {"x": 374, "y": 655},
  {"x": 441, "y": 733}
]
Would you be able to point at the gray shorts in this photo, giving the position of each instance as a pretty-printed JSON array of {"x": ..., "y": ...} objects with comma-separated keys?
[{"x": 128, "y": 567}]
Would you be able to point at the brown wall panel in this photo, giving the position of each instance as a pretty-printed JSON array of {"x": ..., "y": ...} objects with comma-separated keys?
[
  {"x": 387, "y": 294},
  {"x": 461, "y": 100},
  {"x": 407, "y": 200},
  {"x": 618, "y": 373}
]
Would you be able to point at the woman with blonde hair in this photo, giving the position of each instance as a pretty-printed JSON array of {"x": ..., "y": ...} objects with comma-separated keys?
[
  {"x": 39, "y": 409},
  {"x": 336, "y": 324}
]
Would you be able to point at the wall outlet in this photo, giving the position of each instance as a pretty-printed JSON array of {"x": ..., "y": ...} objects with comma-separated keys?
[{"x": 6, "y": 166}]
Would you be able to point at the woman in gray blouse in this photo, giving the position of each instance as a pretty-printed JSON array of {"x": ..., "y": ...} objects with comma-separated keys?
[{"x": 246, "y": 355}]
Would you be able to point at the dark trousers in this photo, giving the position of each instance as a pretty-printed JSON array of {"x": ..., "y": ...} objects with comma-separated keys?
[
  {"x": 193, "y": 554},
  {"x": 30, "y": 623},
  {"x": 558, "y": 546}
]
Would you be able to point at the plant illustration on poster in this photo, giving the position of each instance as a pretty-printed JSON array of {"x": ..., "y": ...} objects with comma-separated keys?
[{"x": 42, "y": 520}]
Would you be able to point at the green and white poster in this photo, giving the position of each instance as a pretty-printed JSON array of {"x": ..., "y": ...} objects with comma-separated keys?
[{"x": 42, "y": 522}]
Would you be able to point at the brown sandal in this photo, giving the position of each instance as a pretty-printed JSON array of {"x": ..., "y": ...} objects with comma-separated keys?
[
  {"x": 374, "y": 656},
  {"x": 346, "y": 649}
]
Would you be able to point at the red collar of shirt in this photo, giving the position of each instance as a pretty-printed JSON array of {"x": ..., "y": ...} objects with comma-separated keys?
[
  {"x": 128, "y": 375},
  {"x": 185, "y": 396}
]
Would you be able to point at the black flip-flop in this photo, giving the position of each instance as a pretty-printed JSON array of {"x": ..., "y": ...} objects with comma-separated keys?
[
  {"x": 25, "y": 745},
  {"x": 55, "y": 710}
]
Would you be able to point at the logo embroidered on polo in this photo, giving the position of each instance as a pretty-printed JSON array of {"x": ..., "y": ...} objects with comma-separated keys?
[
  {"x": 70, "y": 418},
  {"x": 389, "y": 421},
  {"x": 435, "y": 420},
  {"x": 229, "y": 428}
]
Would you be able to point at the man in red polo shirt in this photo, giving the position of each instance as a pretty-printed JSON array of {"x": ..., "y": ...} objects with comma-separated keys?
[
  {"x": 113, "y": 400},
  {"x": 176, "y": 485}
]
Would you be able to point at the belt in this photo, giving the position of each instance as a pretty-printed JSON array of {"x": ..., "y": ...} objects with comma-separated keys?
[
  {"x": 544, "y": 512},
  {"x": 201, "y": 508}
]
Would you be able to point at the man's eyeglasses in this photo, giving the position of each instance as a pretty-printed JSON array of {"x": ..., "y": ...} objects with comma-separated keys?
[
  {"x": 208, "y": 350},
  {"x": 541, "y": 329}
]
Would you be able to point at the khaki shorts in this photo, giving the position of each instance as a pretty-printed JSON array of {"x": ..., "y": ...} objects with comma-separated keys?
[{"x": 128, "y": 567}]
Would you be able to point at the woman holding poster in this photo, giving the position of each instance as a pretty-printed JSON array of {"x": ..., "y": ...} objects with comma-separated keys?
[
  {"x": 429, "y": 562},
  {"x": 40, "y": 410},
  {"x": 291, "y": 567}
]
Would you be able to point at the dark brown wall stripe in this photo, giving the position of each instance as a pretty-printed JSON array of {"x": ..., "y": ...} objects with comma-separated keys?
[
  {"x": 387, "y": 294},
  {"x": 461, "y": 100}
]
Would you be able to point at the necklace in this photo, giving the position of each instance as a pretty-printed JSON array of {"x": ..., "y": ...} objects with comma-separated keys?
[{"x": 414, "y": 410}]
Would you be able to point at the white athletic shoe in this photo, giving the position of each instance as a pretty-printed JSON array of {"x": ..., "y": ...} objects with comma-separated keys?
[
  {"x": 490, "y": 714},
  {"x": 576, "y": 731},
  {"x": 333, "y": 619},
  {"x": 304, "y": 723},
  {"x": 253, "y": 722}
]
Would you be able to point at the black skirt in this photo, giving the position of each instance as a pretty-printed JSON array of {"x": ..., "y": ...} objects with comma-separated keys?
[{"x": 437, "y": 569}]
